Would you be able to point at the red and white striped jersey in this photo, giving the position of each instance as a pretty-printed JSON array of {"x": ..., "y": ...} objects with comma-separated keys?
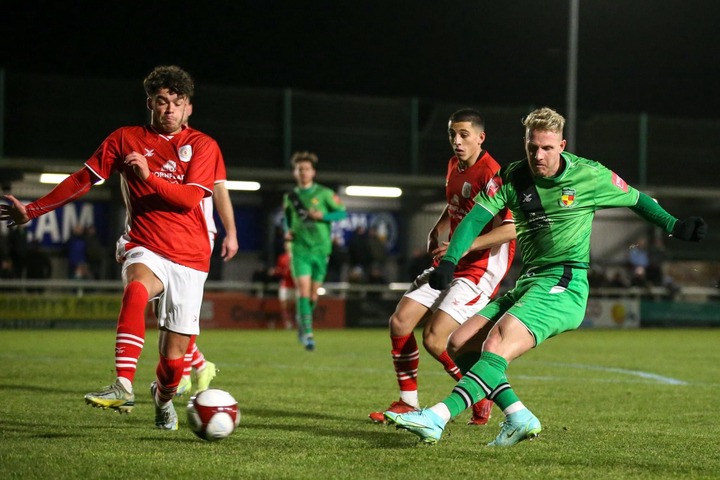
[{"x": 486, "y": 267}]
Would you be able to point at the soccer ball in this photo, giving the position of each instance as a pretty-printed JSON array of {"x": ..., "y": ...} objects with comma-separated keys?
[{"x": 213, "y": 414}]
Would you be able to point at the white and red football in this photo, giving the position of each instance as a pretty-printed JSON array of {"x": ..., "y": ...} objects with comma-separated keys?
[{"x": 213, "y": 414}]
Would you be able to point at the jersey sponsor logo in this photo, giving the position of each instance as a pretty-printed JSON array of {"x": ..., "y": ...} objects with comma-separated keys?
[
  {"x": 185, "y": 153},
  {"x": 619, "y": 182},
  {"x": 567, "y": 198},
  {"x": 170, "y": 166},
  {"x": 149, "y": 152},
  {"x": 466, "y": 190},
  {"x": 135, "y": 255}
]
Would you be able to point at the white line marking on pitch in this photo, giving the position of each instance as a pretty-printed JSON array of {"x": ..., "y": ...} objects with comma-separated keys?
[{"x": 636, "y": 373}]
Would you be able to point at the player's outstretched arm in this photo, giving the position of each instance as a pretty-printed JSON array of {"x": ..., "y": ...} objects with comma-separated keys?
[
  {"x": 462, "y": 238},
  {"x": 692, "y": 229}
]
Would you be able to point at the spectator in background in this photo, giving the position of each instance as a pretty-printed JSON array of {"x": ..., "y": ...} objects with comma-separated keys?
[
  {"x": 361, "y": 255},
  {"x": 6, "y": 270},
  {"x": 17, "y": 248},
  {"x": 38, "y": 265},
  {"x": 336, "y": 262},
  {"x": 379, "y": 254},
  {"x": 95, "y": 253},
  {"x": 76, "y": 253},
  {"x": 420, "y": 261},
  {"x": 657, "y": 256},
  {"x": 638, "y": 261}
]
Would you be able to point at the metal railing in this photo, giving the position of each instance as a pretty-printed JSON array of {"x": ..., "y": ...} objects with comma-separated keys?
[{"x": 82, "y": 288}]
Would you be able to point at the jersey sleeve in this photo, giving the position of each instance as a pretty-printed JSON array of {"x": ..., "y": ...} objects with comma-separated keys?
[
  {"x": 70, "y": 189},
  {"x": 220, "y": 170},
  {"x": 612, "y": 191},
  {"x": 466, "y": 231},
  {"x": 494, "y": 198},
  {"x": 335, "y": 208},
  {"x": 105, "y": 159},
  {"x": 650, "y": 210},
  {"x": 204, "y": 164}
]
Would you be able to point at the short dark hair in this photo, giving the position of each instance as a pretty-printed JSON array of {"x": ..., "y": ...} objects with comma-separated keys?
[
  {"x": 172, "y": 77},
  {"x": 468, "y": 115},
  {"x": 303, "y": 156}
]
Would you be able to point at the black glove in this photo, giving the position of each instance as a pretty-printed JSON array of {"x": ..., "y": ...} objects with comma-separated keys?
[
  {"x": 692, "y": 229},
  {"x": 442, "y": 275}
]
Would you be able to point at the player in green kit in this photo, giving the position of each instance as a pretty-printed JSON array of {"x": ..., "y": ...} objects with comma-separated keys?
[
  {"x": 310, "y": 209},
  {"x": 553, "y": 196}
]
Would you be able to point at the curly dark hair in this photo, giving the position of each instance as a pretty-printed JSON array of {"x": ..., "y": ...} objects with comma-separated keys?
[{"x": 172, "y": 77}]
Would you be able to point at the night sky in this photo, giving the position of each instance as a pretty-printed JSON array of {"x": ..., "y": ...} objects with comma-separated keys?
[{"x": 655, "y": 56}]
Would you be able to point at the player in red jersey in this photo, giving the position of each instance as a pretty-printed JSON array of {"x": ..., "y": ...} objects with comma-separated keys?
[
  {"x": 166, "y": 169},
  {"x": 194, "y": 359},
  {"x": 477, "y": 277},
  {"x": 206, "y": 370},
  {"x": 286, "y": 286}
]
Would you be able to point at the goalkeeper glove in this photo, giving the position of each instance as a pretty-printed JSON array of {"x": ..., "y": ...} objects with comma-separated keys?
[
  {"x": 442, "y": 275},
  {"x": 692, "y": 229}
]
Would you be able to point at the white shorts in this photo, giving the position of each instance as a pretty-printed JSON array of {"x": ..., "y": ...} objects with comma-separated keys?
[
  {"x": 461, "y": 300},
  {"x": 125, "y": 238},
  {"x": 286, "y": 293},
  {"x": 178, "y": 306}
]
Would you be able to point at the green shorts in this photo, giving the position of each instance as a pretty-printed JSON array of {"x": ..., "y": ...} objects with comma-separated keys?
[
  {"x": 549, "y": 301},
  {"x": 309, "y": 264}
]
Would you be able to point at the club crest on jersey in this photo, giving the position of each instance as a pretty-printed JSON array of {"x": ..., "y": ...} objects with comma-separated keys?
[
  {"x": 568, "y": 198},
  {"x": 466, "y": 190},
  {"x": 185, "y": 153}
]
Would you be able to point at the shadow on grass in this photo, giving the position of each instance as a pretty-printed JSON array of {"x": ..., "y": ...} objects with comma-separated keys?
[
  {"x": 35, "y": 388},
  {"x": 363, "y": 429}
]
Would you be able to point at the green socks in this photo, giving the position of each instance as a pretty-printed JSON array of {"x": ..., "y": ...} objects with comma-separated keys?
[
  {"x": 479, "y": 382},
  {"x": 304, "y": 315}
]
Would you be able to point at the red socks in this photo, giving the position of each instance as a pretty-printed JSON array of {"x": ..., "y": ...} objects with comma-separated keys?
[
  {"x": 449, "y": 365},
  {"x": 406, "y": 358},
  {"x": 169, "y": 372},
  {"x": 130, "y": 335}
]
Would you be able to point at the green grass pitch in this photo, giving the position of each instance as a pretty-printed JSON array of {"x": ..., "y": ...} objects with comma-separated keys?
[{"x": 613, "y": 404}]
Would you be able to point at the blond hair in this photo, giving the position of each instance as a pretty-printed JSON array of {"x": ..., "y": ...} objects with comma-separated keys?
[
  {"x": 304, "y": 156},
  {"x": 544, "y": 119}
]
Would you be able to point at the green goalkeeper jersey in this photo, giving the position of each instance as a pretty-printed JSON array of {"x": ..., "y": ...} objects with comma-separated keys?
[
  {"x": 313, "y": 236},
  {"x": 553, "y": 216}
]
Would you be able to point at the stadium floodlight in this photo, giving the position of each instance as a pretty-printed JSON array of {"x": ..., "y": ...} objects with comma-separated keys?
[
  {"x": 243, "y": 186},
  {"x": 54, "y": 178},
  {"x": 367, "y": 191}
]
